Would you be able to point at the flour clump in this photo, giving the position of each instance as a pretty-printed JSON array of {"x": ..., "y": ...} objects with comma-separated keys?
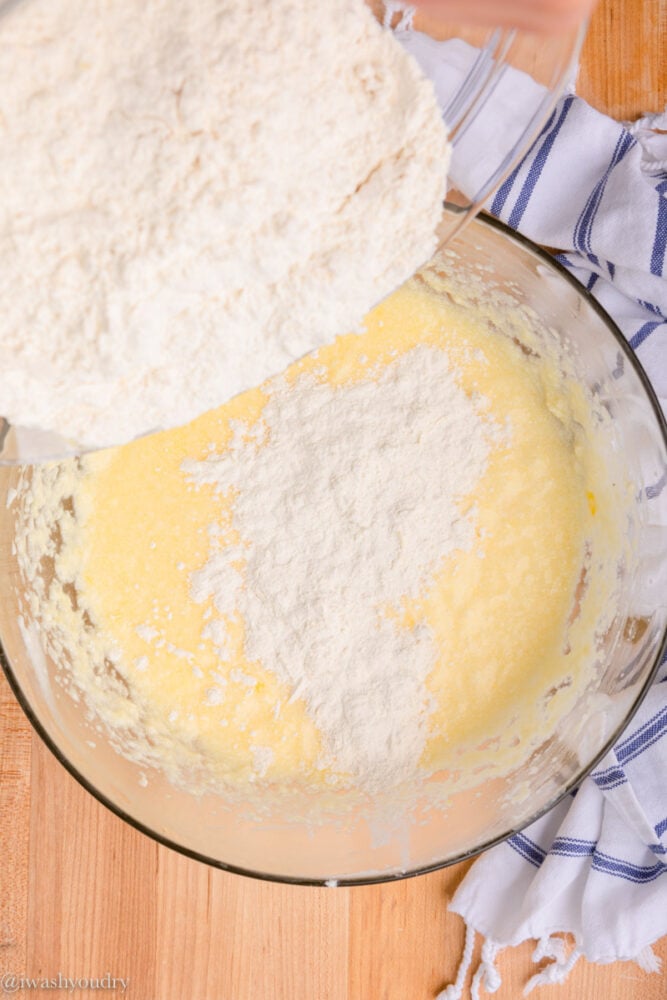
[
  {"x": 194, "y": 196},
  {"x": 330, "y": 547}
]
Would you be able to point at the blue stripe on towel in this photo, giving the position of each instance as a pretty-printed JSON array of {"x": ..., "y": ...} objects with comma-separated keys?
[
  {"x": 505, "y": 188},
  {"x": 643, "y": 333},
  {"x": 611, "y": 778},
  {"x": 632, "y": 745},
  {"x": 660, "y": 241},
  {"x": 503, "y": 192},
  {"x": 584, "y": 225},
  {"x": 626, "y": 870},
  {"x": 630, "y": 748},
  {"x": 527, "y": 848},
  {"x": 573, "y": 847},
  {"x": 537, "y": 166},
  {"x": 650, "y": 307}
]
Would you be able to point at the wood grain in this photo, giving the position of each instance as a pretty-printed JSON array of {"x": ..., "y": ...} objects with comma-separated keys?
[
  {"x": 83, "y": 894},
  {"x": 15, "y": 808},
  {"x": 624, "y": 64},
  {"x": 100, "y": 897}
]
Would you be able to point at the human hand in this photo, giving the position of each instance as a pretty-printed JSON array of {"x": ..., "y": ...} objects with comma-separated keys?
[{"x": 533, "y": 15}]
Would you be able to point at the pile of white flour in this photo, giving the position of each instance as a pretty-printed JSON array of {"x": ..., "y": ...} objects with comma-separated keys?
[
  {"x": 347, "y": 502},
  {"x": 192, "y": 195}
]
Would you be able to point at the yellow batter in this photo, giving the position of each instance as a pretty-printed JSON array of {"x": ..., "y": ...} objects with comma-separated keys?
[{"x": 515, "y": 617}]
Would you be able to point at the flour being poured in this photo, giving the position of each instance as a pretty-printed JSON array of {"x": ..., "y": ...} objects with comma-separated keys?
[
  {"x": 330, "y": 548},
  {"x": 194, "y": 196}
]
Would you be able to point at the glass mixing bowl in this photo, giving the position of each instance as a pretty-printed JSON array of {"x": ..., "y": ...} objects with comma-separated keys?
[
  {"x": 359, "y": 847},
  {"x": 497, "y": 88}
]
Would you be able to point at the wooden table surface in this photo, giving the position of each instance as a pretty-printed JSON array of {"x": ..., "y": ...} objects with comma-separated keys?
[{"x": 83, "y": 894}]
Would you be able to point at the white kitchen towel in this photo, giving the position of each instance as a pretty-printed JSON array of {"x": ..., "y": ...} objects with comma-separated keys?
[{"x": 596, "y": 865}]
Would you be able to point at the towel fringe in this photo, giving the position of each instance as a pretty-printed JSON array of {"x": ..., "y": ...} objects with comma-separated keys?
[
  {"x": 455, "y": 990},
  {"x": 559, "y": 969},
  {"x": 550, "y": 946},
  {"x": 486, "y": 975},
  {"x": 647, "y": 131},
  {"x": 648, "y": 960},
  {"x": 393, "y": 7}
]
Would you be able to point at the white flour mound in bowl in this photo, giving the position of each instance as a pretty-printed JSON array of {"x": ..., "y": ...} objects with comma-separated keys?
[{"x": 193, "y": 195}]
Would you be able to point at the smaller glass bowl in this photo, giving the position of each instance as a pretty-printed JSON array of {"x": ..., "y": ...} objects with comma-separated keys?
[
  {"x": 497, "y": 88},
  {"x": 349, "y": 851}
]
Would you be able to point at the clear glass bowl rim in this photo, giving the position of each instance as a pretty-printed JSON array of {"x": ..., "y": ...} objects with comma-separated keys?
[{"x": 393, "y": 876}]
